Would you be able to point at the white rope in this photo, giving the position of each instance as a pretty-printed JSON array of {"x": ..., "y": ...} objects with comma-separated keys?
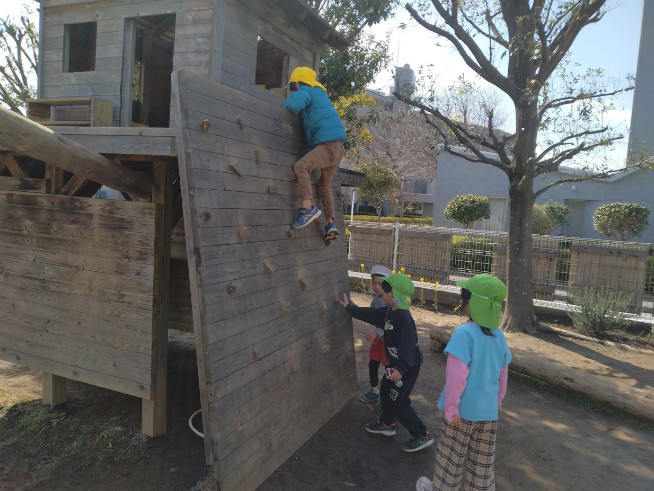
[{"x": 190, "y": 423}]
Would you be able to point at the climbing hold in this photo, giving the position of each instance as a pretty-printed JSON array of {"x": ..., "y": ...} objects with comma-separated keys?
[
  {"x": 205, "y": 125},
  {"x": 241, "y": 123},
  {"x": 259, "y": 156},
  {"x": 234, "y": 168},
  {"x": 242, "y": 232},
  {"x": 267, "y": 267},
  {"x": 231, "y": 288},
  {"x": 288, "y": 131},
  {"x": 303, "y": 284}
]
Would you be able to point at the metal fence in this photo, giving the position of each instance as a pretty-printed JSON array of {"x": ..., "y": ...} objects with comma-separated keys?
[{"x": 436, "y": 257}]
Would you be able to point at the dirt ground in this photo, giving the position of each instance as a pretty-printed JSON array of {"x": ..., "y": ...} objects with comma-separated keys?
[{"x": 548, "y": 439}]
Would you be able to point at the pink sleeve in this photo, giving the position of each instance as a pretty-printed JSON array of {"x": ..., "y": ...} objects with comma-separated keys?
[
  {"x": 504, "y": 377},
  {"x": 456, "y": 375}
]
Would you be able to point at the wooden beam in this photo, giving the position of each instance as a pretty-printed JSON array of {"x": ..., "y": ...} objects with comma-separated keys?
[
  {"x": 26, "y": 137},
  {"x": 54, "y": 389},
  {"x": 153, "y": 410},
  {"x": 14, "y": 167}
]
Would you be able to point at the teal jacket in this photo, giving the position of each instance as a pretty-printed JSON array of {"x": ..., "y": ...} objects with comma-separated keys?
[{"x": 319, "y": 118}]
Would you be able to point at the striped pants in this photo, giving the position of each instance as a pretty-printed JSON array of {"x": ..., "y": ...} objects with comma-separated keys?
[{"x": 471, "y": 443}]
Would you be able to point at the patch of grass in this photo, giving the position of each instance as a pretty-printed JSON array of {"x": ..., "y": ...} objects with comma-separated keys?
[
  {"x": 600, "y": 311},
  {"x": 586, "y": 402},
  {"x": 52, "y": 437}
]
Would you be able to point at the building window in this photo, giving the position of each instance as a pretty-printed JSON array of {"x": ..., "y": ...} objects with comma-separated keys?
[
  {"x": 415, "y": 187},
  {"x": 79, "y": 47},
  {"x": 272, "y": 65},
  {"x": 414, "y": 209}
]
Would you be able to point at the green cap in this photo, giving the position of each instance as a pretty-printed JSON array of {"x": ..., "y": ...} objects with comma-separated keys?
[
  {"x": 402, "y": 290},
  {"x": 485, "y": 305}
]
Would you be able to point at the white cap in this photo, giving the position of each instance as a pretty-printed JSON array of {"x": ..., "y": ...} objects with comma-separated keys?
[{"x": 380, "y": 271}]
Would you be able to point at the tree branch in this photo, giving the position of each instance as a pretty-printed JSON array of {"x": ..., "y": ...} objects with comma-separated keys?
[
  {"x": 563, "y": 101},
  {"x": 480, "y": 63},
  {"x": 585, "y": 177}
]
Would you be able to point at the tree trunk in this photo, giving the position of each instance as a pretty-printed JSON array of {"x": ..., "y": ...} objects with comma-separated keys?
[{"x": 519, "y": 311}]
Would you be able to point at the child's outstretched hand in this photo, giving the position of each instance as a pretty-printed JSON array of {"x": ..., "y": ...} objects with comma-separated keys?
[
  {"x": 345, "y": 302},
  {"x": 370, "y": 337}
]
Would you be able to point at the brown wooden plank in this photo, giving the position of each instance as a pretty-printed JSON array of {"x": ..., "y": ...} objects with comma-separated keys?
[
  {"x": 77, "y": 355},
  {"x": 79, "y": 374},
  {"x": 154, "y": 408},
  {"x": 22, "y": 184}
]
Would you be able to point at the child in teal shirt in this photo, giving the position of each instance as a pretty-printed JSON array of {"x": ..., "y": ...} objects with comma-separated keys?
[{"x": 478, "y": 357}]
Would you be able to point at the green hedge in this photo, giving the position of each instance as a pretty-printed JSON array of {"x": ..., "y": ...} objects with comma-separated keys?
[
  {"x": 407, "y": 220},
  {"x": 471, "y": 255}
]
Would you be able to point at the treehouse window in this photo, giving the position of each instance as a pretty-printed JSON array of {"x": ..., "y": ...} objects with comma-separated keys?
[
  {"x": 271, "y": 68},
  {"x": 79, "y": 47}
]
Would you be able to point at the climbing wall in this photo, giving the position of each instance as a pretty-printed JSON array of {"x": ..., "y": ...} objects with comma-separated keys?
[{"x": 275, "y": 349}]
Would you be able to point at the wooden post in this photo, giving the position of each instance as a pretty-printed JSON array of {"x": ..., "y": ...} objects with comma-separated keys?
[
  {"x": 54, "y": 389},
  {"x": 153, "y": 416},
  {"x": 25, "y": 137}
]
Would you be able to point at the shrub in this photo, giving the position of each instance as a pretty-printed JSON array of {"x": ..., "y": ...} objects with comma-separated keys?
[
  {"x": 621, "y": 221},
  {"x": 467, "y": 209},
  {"x": 542, "y": 222},
  {"x": 471, "y": 255},
  {"x": 600, "y": 310}
]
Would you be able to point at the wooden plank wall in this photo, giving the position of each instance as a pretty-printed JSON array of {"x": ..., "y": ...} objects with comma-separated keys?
[
  {"x": 245, "y": 20},
  {"x": 275, "y": 350},
  {"x": 76, "y": 288},
  {"x": 193, "y": 34}
]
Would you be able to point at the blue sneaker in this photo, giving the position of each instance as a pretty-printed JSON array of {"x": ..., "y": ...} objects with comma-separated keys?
[
  {"x": 306, "y": 216},
  {"x": 370, "y": 396},
  {"x": 331, "y": 230}
]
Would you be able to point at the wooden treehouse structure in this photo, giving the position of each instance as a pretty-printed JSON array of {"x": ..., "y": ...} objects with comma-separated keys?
[{"x": 176, "y": 107}]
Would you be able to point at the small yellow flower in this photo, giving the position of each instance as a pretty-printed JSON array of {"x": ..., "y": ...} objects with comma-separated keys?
[
  {"x": 393, "y": 271},
  {"x": 362, "y": 265},
  {"x": 409, "y": 275},
  {"x": 437, "y": 283},
  {"x": 422, "y": 279},
  {"x": 402, "y": 269},
  {"x": 428, "y": 283}
]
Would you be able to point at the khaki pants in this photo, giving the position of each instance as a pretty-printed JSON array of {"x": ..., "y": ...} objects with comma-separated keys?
[
  {"x": 326, "y": 157},
  {"x": 472, "y": 442}
]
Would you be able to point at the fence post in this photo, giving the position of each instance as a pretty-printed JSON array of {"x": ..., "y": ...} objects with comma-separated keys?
[{"x": 395, "y": 245}]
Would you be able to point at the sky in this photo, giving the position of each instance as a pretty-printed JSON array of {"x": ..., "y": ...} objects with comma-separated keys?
[{"x": 611, "y": 44}]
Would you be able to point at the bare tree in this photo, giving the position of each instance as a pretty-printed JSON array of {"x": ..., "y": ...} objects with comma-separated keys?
[
  {"x": 521, "y": 48},
  {"x": 19, "y": 57}
]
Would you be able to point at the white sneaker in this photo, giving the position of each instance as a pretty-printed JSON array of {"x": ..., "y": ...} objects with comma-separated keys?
[{"x": 424, "y": 484}]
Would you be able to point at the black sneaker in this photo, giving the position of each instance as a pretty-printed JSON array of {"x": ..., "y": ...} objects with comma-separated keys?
[
  {"x": 416, "y": 444},
  {"x": 381, "y": 428}
]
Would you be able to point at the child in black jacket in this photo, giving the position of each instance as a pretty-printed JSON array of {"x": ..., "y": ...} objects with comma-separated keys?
[{"x": 404, "y": 357}]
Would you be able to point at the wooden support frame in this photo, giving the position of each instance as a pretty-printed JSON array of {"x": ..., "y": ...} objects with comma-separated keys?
[
  {"x": 153, "y": 417},
  {"x": 54, "y": 389}
]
